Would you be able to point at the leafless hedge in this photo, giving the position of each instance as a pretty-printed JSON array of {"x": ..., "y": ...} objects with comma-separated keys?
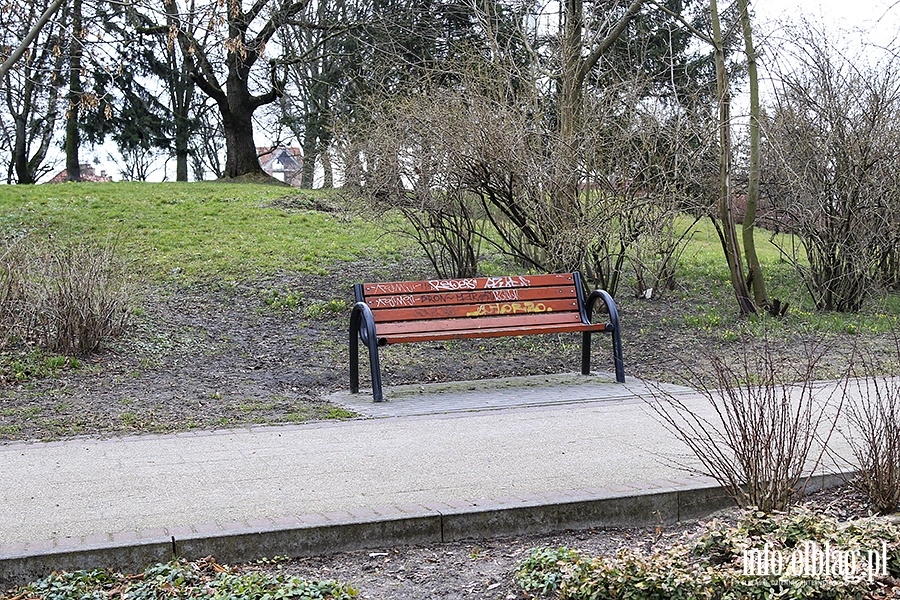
[
  {"x": 473, "y": 166},
  {"x": 833, "y": 153},
  {"x": 762, "y": 424},
  {"x": 65, "y": 298}
]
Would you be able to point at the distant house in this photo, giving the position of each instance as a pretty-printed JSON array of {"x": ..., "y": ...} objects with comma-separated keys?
[
  {"x": 284, "y": 164},
  {"x": 87, "y": 174}
]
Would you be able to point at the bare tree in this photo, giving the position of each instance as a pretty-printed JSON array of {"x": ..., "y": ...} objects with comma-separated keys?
[
  {"x": 33, "y": 31},
  {"x": 30, "y": 90},
  {"x": 225, "y": 69},
  {"x": 455, "y": 158},
  {"x": 75, "y": 95},
  {"x": 756, "y": 281}
]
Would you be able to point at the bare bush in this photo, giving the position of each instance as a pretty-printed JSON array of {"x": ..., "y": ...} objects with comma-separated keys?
[
  {"x": 474, "y": 164},
  {"x": 409, "y": 145},
  {"x": 67, "y": 299},
  {"x": 756, "y": 431},
  {"x": 873, "y": 419},
  {"x": 833, "y": 139},
  {"x": 12, "y": 293}
]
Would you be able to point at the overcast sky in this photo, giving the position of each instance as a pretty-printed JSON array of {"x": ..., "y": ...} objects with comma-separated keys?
[{"x": 877, "y": 18}]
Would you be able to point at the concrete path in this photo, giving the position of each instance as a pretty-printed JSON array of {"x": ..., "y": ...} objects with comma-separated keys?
[{"x": 434, "y": 462}]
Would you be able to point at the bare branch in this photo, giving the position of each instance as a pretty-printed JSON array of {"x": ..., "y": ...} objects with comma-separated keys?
[{"x": 29, "y": 38}]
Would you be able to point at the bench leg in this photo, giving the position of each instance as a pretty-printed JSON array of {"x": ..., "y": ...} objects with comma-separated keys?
[
  {"x": 586, "y": 353},
  {"x": 618, "y": 361},
  {"x": 617, "y": 355},
  {"x": 376, "y": 372},
  {"x": 375, "y": 367},
  {"x": 354, "y": 362},
  {"x": 362, "y": 325}
]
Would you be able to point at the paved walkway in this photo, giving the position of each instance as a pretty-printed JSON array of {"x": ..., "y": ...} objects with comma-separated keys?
[{"x": 476, "y": 449}]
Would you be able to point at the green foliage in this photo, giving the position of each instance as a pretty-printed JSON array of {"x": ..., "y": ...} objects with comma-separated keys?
[
  {"x": 202, "y": 580},
  {"x": 711, "y": 564},
  {"x": 542, "y": 571},
  {"x": 19, "y": 366},
  {"x": 317, "y": 309},
  {"x": 281, "y": 299}
]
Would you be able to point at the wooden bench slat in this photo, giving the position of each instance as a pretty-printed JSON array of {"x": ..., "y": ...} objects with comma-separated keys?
[
  {"x": 394, "y": 288},
  {"x": 475, "y": 311},
  {"x": 496, "y": 332},
  {"x": 477, "y": 297},
  {"x": 509, "y": 322}
]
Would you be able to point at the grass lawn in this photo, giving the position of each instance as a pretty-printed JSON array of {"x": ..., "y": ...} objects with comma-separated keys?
[
  {"x": 225, "y": 232},
  {"x": 198, "y": 230}
]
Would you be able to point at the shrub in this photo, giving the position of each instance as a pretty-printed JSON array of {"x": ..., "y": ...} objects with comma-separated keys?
[
  {"x": 873, "y": 434},
  {"x": 67, "y": 299},
  {"x": 12, "y": 293},
  {"x": 756, "y": 431},
  {"x": 711, "y": 564}
]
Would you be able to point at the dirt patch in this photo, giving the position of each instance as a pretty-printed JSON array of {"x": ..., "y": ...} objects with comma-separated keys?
[{"x": 270, "y": 350}]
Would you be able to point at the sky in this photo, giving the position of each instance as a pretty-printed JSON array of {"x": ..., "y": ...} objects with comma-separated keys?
[
  {"x": 856, "y": 19},
  {"x": 856, "y": 12},
  {"x": 870, "y": 24}
]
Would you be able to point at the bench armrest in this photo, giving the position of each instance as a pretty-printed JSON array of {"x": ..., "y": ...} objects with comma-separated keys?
[
  {"x": 363, "y": 321},
  {"x": 613, "y": 324},
  {"x": 362, "y": 327},
  {"x": 610, "y": 307}
]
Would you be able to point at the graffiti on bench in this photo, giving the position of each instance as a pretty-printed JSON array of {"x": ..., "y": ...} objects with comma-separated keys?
[{"x": 509, "y": 308}]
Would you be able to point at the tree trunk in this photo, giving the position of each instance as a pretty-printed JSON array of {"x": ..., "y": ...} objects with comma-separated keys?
[
  {"x": 570, "y": 94},
  {"x": 310, "y": 150},
  {"x": 23, "y": 175},
  {"x": 182, "y": 96},
  {"x": 237, "y": 121},
  {"x": 73, "y": 164},
  {"x": 240, "y": 149},
  {"x": 181, "y": 158},
  {"x": 757, "y": 281},
  {"x": 728, "y": 232},
  {"x": 325, "y": 156}
]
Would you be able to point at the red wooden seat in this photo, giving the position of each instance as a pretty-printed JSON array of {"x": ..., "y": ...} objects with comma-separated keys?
[{"x": 420, "y": 311}]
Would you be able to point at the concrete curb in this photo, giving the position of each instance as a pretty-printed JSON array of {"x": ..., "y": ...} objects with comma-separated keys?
[{"x": 665, "y": 502}]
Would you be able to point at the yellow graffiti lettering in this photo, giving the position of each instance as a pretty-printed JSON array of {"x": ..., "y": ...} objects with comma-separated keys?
[{"x": 509, "y": 308}]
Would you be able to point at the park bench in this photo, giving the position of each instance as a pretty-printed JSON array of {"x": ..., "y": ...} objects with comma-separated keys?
[{"x": 447, "y": 309}]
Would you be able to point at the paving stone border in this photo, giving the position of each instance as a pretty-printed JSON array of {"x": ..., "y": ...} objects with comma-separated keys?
[{"x": 418, "y": 524}]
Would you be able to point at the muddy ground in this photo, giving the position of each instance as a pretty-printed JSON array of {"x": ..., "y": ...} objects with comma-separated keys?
[{"x": 225, "y": 354}]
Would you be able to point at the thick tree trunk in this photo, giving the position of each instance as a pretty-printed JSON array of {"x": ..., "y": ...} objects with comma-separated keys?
[
  {"x": 23, "y": 175},
  {"x": 237, "y": 109},
  {"x": 237, "y": 121},
  {"x": 181, "y": 160},
  {"x": 73, "y": 142},
  {"x": 240, "y": 149}
]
